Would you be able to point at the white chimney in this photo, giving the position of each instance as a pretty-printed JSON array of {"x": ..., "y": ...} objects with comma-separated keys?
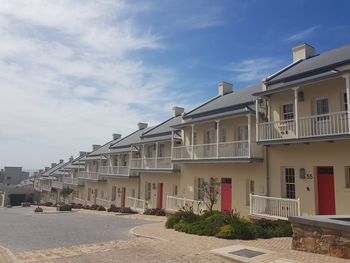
[
  {"x": 95, "y": 147},
  {"x": 303, "y": 51},
  {"x": 82, "y": 153},
  {"x": 47, "y": 168},
  {"x": 61, "y": 161},
  {"x": 71, "y": 158},
  {"x": 116, "y": 136},
  {"x": 142, "y": 125},
  {"x": 225, "y": 88},
  {"x": 53, "y": 165},
  {"x": 176, "y": 111}
]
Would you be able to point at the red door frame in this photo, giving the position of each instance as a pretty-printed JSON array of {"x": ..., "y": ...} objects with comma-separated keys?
[
  {"x": 226, "y": 195},
  {"x": 160, "y": 196},
  {"x": 122, "y": 202},
  {"x": 325, "y": 190}
]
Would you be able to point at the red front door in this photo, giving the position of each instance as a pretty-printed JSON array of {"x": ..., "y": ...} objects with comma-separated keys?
[
  {"x": 325, "y": 187},
  {"x": 123, "y": 198},
  {"x": 160, "y": 196},
  {"x": 226, "y": 195}
]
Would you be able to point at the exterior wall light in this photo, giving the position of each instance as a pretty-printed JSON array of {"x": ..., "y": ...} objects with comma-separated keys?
[{"x": 302, "y": 173}]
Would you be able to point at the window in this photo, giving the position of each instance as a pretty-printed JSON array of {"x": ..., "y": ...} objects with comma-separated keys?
[
  {"x": 102, "y": 194},
  {"x": 8, "y": 178},
  {"x": 114, "y": 193},
  {"x": 200, "y": 195},
  {"x": 222, "y": 134},
  {"x": 194, "y": 138},
  {"x": 133, "y": 193},
  {"x": 149, "y": 151},
  {"x": 161, "y": 152},
  {"x": 124, "y": 163},
  {"x": 243, "y": 133},
  {"x": 347, "y": 177},
  {"x": 322, "y": 106},
  {"x": 174, "y": 190},
  {"x": 209, "y": 136},
  {"x": 148, "y": 189},
  {"x": 345, "y": 102},
  {"x": 115, "y": 160},
  {"x": 250, "y": 189},
  {"x": 288, "y": 111},
  {"x": 289, "y": 180}
]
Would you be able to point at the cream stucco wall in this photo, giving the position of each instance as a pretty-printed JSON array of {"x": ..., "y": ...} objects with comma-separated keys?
[
  {"x": 169, "y": 180},
  {"x": 239, "y": 173},
  {"x": 310, "y": 156}
]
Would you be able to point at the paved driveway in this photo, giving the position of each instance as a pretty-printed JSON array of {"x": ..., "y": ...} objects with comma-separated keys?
[{"x": 21, "y": 229}]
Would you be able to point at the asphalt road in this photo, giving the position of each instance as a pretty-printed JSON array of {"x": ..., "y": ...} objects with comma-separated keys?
[{"x": 21, "y": 229}]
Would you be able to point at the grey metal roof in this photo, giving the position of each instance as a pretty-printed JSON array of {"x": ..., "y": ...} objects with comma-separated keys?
[
  {"x": 104, "y": 148},
  {"x": 53, "y": 169},
  {"x": 125, "y": 143},
  {"x": 321, "y": 63},
  {"x": 233, "y": 101}
]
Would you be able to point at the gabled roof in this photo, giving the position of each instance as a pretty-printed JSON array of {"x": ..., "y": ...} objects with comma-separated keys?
[
  {"x": 162, "y": 131},
  {"x": 53, "y": 169},
  {"x": 231, "y": 102},
  {"x": 125, "y": 143},
  {"x": 317, "y": 64},
  {"x": 103, "y": 149}
]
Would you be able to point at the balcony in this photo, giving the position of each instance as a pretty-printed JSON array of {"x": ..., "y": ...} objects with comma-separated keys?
[
  {"x": 73, "y": 181},
  {"x": 222, "y": 150},
  {"x": 160, "y": 163},
  {"x": 93, "y": 176},
  {"x": 57, "y": 184},
  {"x": 114, "y": 170},
  {"x": 331, "y": 124},
  {"x": 46, "y": 187}
]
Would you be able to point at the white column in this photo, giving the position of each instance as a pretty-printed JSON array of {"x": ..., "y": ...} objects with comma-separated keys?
[
  {"x": 143, "y": 156},
  {"x": 257, "y": 119},
  {"x": 249, "y": 134},
  {"x": 296, "y": 115},
  {"x": 156, "y": 164},
  {"x": 171, "y": 148},
  {"x": 347, "y": 81},
  {"x": 217, "y": 138},
  {"x": 192, "y": 138}
]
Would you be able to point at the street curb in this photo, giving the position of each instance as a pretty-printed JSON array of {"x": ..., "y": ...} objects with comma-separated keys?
[
  {"x": 9, "y": 253},
  {"x": 132, "y": 232}
]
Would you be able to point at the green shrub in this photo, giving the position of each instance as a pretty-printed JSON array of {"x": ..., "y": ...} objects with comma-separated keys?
[
  {"x": 155, "y": 212},
  {"x": 114, "y": 209},
  {"x": 181, "y": 226},
  {"x": 38, "y": 210},
  {"x": 64, "y": 208},
  {"x": 243, "y": 230},
  {"x": 187, "y": 216},
  {"x": 127, "y": 210},
  {"x": 225, "y": 232},
  {"x": 48, "y": 204},
  {"x": 101, "y": 208}
]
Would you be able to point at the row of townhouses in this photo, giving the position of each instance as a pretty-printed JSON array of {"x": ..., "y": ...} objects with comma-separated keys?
[{"x": 278, "y": 148}]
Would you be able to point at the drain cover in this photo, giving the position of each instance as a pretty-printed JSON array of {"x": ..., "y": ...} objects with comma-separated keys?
[{"x": 246, "y": 253}]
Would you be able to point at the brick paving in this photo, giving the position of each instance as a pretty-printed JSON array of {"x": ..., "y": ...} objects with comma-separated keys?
[{"x": 170, "y": 246}]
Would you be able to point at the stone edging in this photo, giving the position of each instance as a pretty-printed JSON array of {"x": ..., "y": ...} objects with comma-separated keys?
[
  {"x": 133, "y": 232},
  {"x": 9, "y": 253}
]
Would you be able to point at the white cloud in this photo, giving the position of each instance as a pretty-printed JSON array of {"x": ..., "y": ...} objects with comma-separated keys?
[
  {"x": 69, "y": 77},
  {"x": 302, "y": 34},
  {"x": 253, "y": 69}
]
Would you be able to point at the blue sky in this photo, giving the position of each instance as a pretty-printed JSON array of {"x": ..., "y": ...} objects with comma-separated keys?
[{"x": 74, "y": 72}]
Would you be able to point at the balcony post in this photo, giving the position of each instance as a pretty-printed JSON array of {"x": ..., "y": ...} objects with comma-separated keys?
[
  {"x": 347, "y": 81},
  {"x": 296, "y": 117},
  {"x": 217, "y": 138},
  {"x": 257, "y": 119},
  {"x": 156, "y": 164},
  {"x": 172, "y": 148},
  {"x": 192, "y": 138},
  {"x": 249, "y": 134},
  {"x": 142, "y": 155}
]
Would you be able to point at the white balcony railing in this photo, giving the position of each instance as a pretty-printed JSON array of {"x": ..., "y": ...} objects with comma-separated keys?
[
  {"x": 222, "y": 150},
  {"x": 104, "y": 202},
  {"x": 174, "y": 203},
  {"x": 152, "y": 163},
  {"x": 73, "y": 181},
  {"x": 114, "y": 170},
  {"x": 79, "y": 201},
  {"x": 273, "y": 207},
  {"x": 311, "y": 126},
  {"x": 90, "y": 175},
  {"x": 57, "y": 184},
  {"x": 136, "y": 204},
  {"x": 46, "y": 187}
]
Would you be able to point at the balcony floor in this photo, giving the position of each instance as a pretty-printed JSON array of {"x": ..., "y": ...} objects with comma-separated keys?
[
  {"x": 306, "y": 139},
  {"x": 223, "y": 160}
]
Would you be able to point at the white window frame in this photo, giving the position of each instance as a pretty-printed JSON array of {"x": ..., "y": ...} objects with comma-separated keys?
[
  {"x": 347, "y": 177},
  {"x": 148, "y": 191},
  {"x": 289, "y": 184},
  {"x": 239, "y": 132},
  {"x": 223, "y": 134},
  {"x": 287, "y": 115},
  {"x": 161, "y": 150},
  {"x": 345, "y": 101}
]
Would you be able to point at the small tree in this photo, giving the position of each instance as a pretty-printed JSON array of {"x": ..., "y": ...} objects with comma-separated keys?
[
  {"x": 65, "y": 193},
  {"x": 210, "y": 192}
]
